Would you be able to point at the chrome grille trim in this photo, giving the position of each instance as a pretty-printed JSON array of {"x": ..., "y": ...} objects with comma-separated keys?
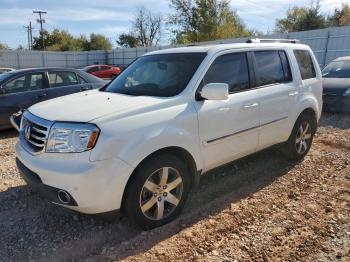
[
  {"x": 37, "y": 133},
  {"x": 38, "y": 138},
  {"x": 35, "y": 144}
]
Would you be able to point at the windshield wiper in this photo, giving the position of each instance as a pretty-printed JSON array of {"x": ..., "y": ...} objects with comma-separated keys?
[{"x": 130, "y": 93}]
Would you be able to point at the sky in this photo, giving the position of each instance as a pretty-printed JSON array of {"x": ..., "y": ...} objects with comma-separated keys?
[{"x": 112, "y": 17}]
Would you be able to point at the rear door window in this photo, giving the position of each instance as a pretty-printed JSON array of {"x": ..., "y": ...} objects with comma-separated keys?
[
  {"x": 306, "y": 66},
  {"x": 272, "y": 67},
  {"x": 231, "y": 69},
  {"x": 28, "y": 82},
  {"x": 82, "y": 80},
  {"x": 62, "y": 78}
]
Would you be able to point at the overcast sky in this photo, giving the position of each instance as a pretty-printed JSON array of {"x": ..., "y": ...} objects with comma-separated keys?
[{"x": 112, "y": 17}]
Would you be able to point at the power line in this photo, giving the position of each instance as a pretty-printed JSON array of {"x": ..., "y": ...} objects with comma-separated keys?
[{"x": 41, "y": 20}]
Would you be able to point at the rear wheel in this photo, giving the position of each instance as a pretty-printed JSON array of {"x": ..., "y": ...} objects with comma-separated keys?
[
  {"x": 157, "y": 191},
  {"x": 300, "y": 140}
]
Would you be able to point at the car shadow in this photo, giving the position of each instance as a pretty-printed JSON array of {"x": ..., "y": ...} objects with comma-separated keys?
[
  {"x": 8, "y": 133},
  {"x": 35, "y": 229}
]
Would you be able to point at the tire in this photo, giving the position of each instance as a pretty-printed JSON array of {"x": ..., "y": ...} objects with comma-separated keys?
[
  {"x": 150, "y": 201},
  {"x": 300, "y": 140}
]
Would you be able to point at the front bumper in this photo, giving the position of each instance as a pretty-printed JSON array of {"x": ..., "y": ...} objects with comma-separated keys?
[
  {"x": 336, "y": 103},
  {"x": 34, "y": 181},
  {"x": 95, "y": 187}
]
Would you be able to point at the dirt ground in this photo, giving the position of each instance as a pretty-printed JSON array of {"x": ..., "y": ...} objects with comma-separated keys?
[{"x": 260, "y": 208}]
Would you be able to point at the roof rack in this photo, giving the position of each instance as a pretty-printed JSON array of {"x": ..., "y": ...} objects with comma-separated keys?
[{"x": 259, "y": 40}]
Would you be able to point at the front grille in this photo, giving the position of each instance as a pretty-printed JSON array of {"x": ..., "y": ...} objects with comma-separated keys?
[{"x": 34, "y": 132}]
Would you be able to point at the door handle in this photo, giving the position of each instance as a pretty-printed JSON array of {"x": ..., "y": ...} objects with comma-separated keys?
[
  {"x": 293, "y": 94},
  {"x": 85, "y": 88},
  {"x": 250, "y": 105},
  {"x": 40, "y": 96}
]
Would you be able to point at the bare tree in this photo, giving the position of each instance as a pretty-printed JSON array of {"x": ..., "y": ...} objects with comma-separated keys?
[{"x": 147, "y": 27}]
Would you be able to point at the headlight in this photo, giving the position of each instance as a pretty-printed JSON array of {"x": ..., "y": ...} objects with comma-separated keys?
[
  {"x": 347, "y": 92},
  {"x": 71, "y": 138}
]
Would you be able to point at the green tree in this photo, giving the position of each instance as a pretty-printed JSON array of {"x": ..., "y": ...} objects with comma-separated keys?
[
  {"x": 313, "y": 19},
  {"x": 99, "y": 42},
  {"x": 301, "y": 19},
  {"x": 128, "y": 40},
  {"x": 204, "y": 20},
  {"x": 3, "y": 46},
  {"x": 292, "y": 21},
  {"x": 341, "y": 17},
  {"x": 61, "y": 40}
]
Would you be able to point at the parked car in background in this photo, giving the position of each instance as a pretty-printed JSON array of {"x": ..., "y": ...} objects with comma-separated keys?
[
  {"x": 5, "y": 69},
  {"x": 336, "y": 85},
  {"x": 22, "y": 88},
  {"x": 103, "y": 71},
  {"x": 170, "y": 117}
]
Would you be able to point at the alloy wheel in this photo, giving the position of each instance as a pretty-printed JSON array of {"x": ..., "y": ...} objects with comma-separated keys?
[
  {"x": 161, "y": 193},
  {"x": 303, "y": 138}
]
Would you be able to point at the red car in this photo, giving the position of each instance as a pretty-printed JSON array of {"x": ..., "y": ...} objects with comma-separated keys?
[{"x": 103, "y": 71}]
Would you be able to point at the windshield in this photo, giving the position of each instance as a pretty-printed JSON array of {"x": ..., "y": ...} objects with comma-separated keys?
[
  {"x": 161, "y": 75},
  {"x": 337, "y": 69},
  {"x": 86, "y": 68},
  {"x": 4, "y": 76}
]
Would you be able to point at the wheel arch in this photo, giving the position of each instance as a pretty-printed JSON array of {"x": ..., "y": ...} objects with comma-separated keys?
[
  {"x": 309, "y": 104},
  {"x": 177, "y": 151},
  {"x": 312, "y": 113}
]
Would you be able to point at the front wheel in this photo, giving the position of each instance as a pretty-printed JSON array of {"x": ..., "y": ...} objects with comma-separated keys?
[
  {"x": 300, "y": 140},
  {"x": 157, "y": 191}
]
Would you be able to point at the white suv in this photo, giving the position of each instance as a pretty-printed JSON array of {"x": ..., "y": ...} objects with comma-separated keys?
[{"x": 140, "y": 143}]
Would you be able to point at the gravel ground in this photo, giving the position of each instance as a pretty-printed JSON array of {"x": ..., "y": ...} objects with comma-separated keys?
[{"x": 261, "y": 208}]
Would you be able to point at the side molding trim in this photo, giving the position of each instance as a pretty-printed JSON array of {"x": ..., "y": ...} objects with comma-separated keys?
[{"x": 244, "y": 130}]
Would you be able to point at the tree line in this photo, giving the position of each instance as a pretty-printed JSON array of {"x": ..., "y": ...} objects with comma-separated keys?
[{"x": 192, "y": 21}]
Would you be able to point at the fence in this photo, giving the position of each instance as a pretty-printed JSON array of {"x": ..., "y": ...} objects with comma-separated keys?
[
  {"x": 327, "y": 45},
  {"x": 24, "y": 58}
]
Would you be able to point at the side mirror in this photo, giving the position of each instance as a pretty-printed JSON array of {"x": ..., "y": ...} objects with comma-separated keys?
[{"x": 215, "y": 91}]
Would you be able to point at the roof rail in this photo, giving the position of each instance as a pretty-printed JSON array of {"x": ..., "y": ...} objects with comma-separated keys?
[{"x": 266, "y": 40}]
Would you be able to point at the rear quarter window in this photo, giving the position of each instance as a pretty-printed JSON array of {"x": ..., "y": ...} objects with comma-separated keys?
[
  {"x": 273, "y": 67},
  {"x": 305, "y": 63}
]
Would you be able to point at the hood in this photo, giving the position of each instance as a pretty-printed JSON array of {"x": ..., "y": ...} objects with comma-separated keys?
[{"x": 90, "y": 105}]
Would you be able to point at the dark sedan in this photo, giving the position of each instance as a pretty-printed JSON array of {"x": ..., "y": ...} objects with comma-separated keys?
[
  {"x": 22, "y": 88},
  {"x": 336, "y": 85}
]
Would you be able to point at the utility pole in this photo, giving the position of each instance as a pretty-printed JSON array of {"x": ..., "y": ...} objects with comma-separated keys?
[
  {"x": 29, "y": 34},
  {"x": 41, "y": 21}
]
